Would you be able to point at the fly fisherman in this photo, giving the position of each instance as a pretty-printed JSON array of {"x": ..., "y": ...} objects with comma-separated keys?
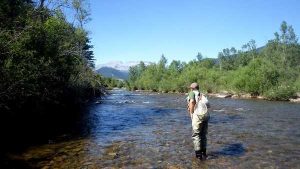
[{"x": 197, "y": 108}]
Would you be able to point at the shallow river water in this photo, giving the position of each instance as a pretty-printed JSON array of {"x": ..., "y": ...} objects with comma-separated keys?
[{"x": 152, "y": 130}]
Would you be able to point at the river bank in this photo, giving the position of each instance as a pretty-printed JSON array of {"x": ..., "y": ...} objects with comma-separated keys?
[
  {"x": 226, "y": 94},
  {"x": 295, "y": 99}
]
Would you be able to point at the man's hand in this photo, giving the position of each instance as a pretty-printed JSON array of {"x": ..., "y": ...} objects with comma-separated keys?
[{"x": 189, "y": 112}]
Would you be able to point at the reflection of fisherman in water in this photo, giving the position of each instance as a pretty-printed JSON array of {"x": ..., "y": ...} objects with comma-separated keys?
[{"x": 197, "y": 107}]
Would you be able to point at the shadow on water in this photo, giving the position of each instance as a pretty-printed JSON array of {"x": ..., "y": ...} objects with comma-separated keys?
[
  {"x": 235, "y": 150},
  {"x": 56, "y": 125},
  {"x": 224, "y": 118}
]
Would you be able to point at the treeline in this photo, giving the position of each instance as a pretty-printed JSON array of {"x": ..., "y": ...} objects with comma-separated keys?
[
  {"x": 272, "y": 71},
  {"x": 110, "y": 83},
  {"x": 46, "y": 62}
]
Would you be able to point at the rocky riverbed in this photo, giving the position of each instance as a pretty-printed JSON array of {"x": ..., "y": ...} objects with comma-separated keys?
[{"x": 148, "y": 130}]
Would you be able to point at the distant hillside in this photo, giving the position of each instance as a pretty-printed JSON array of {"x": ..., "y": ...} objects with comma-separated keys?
[
  {"x": 260, "y": 49},
  {"x": 114, "y": 73}
]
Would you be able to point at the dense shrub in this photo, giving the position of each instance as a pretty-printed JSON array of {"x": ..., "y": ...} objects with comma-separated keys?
[{"x": 280, "y": 93}]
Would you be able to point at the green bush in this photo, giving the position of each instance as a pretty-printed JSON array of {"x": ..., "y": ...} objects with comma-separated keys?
[{"x": 280, "y": 93}]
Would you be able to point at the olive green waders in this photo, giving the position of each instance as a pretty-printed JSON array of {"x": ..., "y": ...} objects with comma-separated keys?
[{"x": 200, "y": 126}]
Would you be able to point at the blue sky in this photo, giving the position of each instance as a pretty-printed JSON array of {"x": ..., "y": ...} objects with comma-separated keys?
[{"x": 134, "y": 30}]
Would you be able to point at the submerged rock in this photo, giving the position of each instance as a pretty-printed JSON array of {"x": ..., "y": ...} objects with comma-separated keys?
[
  {"x": 112, "y": 154},
  {"x": 224, "y": 95}
]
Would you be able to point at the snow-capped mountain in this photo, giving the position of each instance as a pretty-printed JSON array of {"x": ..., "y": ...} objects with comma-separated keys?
[
  {"x": 113, "y": 73},
  {"x": 117, "y": 69},
  {"x": 119, "y": 65}
]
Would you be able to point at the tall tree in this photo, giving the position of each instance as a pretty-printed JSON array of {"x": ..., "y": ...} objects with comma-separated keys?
[
  {"x": 81, "y": 12},
  {"x": 199, "y": 56}
]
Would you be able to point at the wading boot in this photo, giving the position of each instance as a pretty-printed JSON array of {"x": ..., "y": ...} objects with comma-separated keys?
[
  {"x": 204, "y": 155},
  {"x": 198, "y": 154}
]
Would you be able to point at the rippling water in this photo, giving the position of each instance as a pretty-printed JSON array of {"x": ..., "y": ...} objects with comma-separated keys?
[{"x": 146, "y": 130}]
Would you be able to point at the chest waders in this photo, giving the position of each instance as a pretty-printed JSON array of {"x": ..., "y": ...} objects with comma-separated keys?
[{"x": 200, "y": 119}]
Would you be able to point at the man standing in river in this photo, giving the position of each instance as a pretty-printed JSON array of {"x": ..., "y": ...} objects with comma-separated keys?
[{"x": 200, "y": 116}]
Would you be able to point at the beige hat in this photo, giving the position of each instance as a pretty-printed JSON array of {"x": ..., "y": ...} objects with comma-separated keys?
[{"x": 194, "y": 85}]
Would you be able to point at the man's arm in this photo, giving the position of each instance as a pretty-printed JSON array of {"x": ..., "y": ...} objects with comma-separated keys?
[{"x": 191, "y": 106}]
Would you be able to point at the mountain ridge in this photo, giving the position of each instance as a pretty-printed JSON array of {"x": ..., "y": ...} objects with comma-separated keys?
[
  {"x": 117, "y": 69},
  {"x": 113, "y": 73}
]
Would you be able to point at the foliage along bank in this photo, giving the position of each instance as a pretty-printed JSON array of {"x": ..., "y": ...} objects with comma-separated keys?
[
  {"x": 272, "y": 71},
  {"x": 46, "y": 62}
]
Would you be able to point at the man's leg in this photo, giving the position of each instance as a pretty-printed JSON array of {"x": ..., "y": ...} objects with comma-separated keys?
[
  {"x": 196, "y": 125},
  {"x": 203, "y": 137}
]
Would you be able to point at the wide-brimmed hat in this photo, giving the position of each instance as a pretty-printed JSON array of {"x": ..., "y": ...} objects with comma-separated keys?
[{"x": 194, "y": 85}]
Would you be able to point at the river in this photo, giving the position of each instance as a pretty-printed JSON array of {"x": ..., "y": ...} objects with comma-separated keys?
[{"x": 153, "y": 130}]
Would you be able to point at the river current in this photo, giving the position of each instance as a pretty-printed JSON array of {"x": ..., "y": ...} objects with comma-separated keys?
[{"x": 153, "y": 130}]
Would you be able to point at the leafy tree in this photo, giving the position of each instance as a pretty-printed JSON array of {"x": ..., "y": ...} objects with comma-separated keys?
[
  {"x": 227, "y": 58},
  {"x": 199, "y": 56},
  {"x": 45, "y": 60},
  {"x": 162, "y": 63}
]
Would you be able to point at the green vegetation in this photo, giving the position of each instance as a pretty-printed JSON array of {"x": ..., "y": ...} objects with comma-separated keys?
[
  {"x": 272, "y": 71},
  {"x": 45, "y": 61},
  {"x": 110, "y": 83}
]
